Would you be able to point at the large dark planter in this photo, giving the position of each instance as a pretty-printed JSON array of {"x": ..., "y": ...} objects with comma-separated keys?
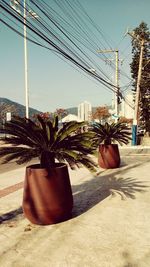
[
  {"x": 109, "y": 157},
  {"x": 47, "y": 197}
]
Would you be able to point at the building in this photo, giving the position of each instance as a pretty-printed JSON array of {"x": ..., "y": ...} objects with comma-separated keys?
[
  {"x": 127, "y": 107},
  {"x": 84, "y": 111},
  {"x": 70, "y": 117}
]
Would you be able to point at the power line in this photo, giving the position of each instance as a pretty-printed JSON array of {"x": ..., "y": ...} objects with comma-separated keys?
[
  {"x": 41, "y": 35},
  {"x": 78, "y": 38},
  {"x": 43, "y": 30},
  {"x": 77, "y": 20}
]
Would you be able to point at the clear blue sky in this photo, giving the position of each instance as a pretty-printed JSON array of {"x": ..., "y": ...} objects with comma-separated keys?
[{"x": 52, "y": 82}]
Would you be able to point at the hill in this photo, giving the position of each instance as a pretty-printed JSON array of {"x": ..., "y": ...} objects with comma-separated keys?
[
  {"x": 7, "y": 105},
  {"x": 72, "y": 110}
]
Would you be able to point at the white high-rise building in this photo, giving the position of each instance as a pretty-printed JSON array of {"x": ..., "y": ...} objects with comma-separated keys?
[
  {"x": 84, "y": 111},
  {"x": 126, "y": 110}
]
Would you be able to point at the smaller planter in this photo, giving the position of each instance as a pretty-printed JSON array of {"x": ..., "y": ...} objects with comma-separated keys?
[
  {"x": 47, "y": 197},
  {"x": 109, "y": 157},
  {"x": 105, "y": 135}
]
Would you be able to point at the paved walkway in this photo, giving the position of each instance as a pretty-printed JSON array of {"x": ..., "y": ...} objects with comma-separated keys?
[
  {"x": 10, "y": 189},
  {"x": 109, "y": 228}
]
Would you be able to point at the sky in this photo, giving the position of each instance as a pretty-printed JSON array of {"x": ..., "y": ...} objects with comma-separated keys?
[{"x": 54, "y": 83}]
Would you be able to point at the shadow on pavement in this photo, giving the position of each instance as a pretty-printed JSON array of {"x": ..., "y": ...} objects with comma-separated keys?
[
  {"x": 11, "y": 215},
  {"x": 131, "y": 261},
  {"x": 90, "y": 193}
]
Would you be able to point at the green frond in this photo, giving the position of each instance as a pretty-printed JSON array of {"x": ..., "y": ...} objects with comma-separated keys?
[
  {"x": 19, "y": 154},
  {"x": 109, "y": 133},
  {"x": 24, "y": 129},
  {"x": 52, "y": 133},
  {"x": 73, "y": 142},
  {"x": 55, "y": 123},
  {"x": 75, "y": 158},
  {"x": 69, "y": 128},
  {"x": 44, "y": 140},
  {"x": 43, "y": 127},
  {"x": 88, "y": 163}
]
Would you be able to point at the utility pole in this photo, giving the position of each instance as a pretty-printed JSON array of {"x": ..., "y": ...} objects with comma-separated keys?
[
  {"x": 26, "y": 63},
  {"x": 135, "y": 121},
  {"x": 15, "y": 4},
  {"x": 116, "y": 79},
  {"x": 117, "y": 84},
  {"x": 137, "y": 96}
]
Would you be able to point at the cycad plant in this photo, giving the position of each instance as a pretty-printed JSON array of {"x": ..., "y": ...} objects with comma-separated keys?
[
  {"x": 105, "y": 136},
  {"x": 109, "y": 133},
  {"x": 47, "y": 197},
  {"x": 47, "y": 142}
]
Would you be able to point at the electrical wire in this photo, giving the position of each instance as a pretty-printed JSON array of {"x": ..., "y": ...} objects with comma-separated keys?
[
  {"x": 77, "y": 39},
  {"x": 40, "y": 29},
  {"x": 74, "y": 15},
  {"x": 60, "y": 50}
]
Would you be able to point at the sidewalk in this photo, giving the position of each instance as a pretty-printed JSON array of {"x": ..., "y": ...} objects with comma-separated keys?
[
  {"x": 109, "y": 228},
  {"x": 134, "y": 150}
]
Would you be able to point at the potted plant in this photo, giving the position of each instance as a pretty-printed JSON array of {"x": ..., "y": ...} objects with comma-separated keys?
[
  {"x": 47, "y": 196},
  {"x": 105, "y": 135}
]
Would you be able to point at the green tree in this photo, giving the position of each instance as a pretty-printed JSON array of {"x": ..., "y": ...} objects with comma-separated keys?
[
  {"x": 4, "y": 108},
  {"x": 61, "y": 113},
  {"x": 142, "y": 32},
  {"x": 101, "y": 113}
]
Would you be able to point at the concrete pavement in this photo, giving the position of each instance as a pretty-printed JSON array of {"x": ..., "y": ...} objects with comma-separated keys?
[
  {"x": 134, "y": 150},
  {"x": 109, "y": 228}
]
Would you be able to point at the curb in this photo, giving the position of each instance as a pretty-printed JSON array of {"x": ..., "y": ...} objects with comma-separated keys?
[{"x": 135, "y": 150}]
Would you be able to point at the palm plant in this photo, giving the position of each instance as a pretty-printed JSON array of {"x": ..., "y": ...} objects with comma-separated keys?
[
  {"x": 109, "y": 133},
  {"x": 47, "y": 197},
  {"x": 105, "y": 135},
  {"x": 45, "y": 140}
]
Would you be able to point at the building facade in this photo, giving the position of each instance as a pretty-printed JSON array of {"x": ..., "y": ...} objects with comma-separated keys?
[
  {"x": 127, "y": 109},
  {"x": 84, "y": 111}
]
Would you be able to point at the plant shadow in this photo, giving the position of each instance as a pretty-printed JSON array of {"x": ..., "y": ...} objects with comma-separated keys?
[
  {"x": 131, "y": 261},
  {"x": 14, "y": 214},
  {"x": 91, "y": 192}
]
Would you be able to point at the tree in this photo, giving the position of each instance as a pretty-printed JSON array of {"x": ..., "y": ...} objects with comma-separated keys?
[
  {"x": 45, "y": 115},
  {"x": 5, "y": 108},
  {"x": 142, "y": 33},
  {"x": 61, "y": 112},
  {"x": 101, "y": 113},
  {"x": 125, "y": 120}
]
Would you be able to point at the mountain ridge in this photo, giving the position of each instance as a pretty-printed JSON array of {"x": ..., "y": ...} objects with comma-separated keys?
[{"x": 7, "y": 105}]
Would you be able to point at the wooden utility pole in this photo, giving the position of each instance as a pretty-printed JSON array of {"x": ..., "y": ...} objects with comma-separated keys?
[
  {"x": 138, "y": 82},
  {"x": 117, "y": 79},
  {"x": 117, "y": 84},
  {"x": 137, "y": 96}
]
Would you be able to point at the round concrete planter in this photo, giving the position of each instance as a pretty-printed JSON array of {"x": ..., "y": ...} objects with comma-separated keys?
[
  {"x": 109, "y": 157},
  {"x": 47, "y": 197}
]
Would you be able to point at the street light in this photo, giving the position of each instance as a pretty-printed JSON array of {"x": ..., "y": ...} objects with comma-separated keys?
[
  {"x": 33, "y": 15},
  {"x": 15, "y": 4},
  {"x": 26, "y": 64}
]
